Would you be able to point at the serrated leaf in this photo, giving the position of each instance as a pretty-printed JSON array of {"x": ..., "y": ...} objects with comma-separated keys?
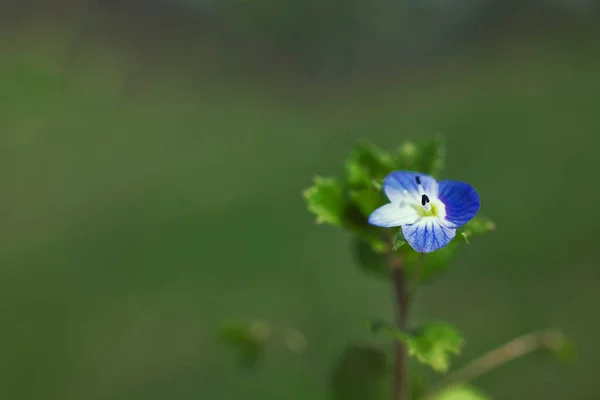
[
  {"x": 360, "y": 374},
  {"x": 246, "y": 340},
  {"x": 325, "y": 199},
  {"x": 461, "y": 392},
  {"x": 432, "y": 344},
  {"x": 367, "y": 163},
  {"x": 370, "y": 262}
]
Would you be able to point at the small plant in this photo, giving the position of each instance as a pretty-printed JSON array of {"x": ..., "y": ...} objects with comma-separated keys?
[
  {"x": 407, "y": 227},
  {"x": 383, "y": 190}
]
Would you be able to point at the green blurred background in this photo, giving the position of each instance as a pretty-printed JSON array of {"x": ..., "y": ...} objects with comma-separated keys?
[{"x": 153, "y": 156}]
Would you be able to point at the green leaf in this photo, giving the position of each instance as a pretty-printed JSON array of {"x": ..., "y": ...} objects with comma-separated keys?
[
  {"x": 355, "y": 219},
  {"x": 356, "y": 222},
  {"x": 246, "y": 340},
  {"x": 325, "y": 200},
  {"x": 461, "y": 392},
  {"x": 367, "y": 163},
  {"x": 432, "y": 344},
  {"x": 356, "y": 174},
  {"x": 360, "y": 374},
  {"x": 370, "y": 262},
  {"x": 367, "y": 200}
]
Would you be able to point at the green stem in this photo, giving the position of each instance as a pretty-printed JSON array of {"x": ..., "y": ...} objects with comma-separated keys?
[
  {"x": 401, "y": 296},
  {"x": 416, "y": 280},
  {"x": 516, "y": 348}
]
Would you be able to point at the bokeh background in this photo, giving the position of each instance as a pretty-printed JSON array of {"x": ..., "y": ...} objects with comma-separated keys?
[{"x": 153, "y": 155}]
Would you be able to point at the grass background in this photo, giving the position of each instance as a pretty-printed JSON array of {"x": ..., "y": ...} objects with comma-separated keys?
[{"x": 145, "y": 198}]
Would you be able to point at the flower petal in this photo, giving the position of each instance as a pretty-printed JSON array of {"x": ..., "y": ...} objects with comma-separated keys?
[
  {"x": 393, "y": 214},
  {"x": 461, "y": 201},
  {"x": 428, "y": 234},
  {"x": 397, "y": 182}
]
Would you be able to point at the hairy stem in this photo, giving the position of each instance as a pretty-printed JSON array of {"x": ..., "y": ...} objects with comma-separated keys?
[
  {"x": 509, "y": 351},
  {"x": 401, "y": 296}
]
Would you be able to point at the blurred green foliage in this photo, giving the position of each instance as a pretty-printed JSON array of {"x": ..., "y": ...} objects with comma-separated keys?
[
  {"x": 136, "y": 218},
  {"x": 325, "y": 199},
  {"x": 360, "y": 373},
  {"x": 247, "y": 340},
  {"x": 462, "y": 392}
]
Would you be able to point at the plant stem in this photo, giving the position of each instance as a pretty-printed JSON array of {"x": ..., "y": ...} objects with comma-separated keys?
[
  {"x": 401, "y": 296},
  {"x": 416, "y": 280},
  {"x": 516, "y": 348}
]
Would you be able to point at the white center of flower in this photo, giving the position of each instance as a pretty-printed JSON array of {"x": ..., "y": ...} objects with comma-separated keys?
[{"x": 424, "y": 205}]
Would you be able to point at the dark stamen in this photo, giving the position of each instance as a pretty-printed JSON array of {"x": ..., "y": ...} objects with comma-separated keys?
[
  {"x": 418, "y": 179},
  {"x": 424, "y": 200}
]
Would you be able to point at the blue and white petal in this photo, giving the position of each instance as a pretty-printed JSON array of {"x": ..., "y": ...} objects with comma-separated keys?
[
  {"x": 428, "y": 234},
  {"x": 398, "y": 184},
  {"x": 461, "y": 202},
  {"x": 393, "y": 214}
]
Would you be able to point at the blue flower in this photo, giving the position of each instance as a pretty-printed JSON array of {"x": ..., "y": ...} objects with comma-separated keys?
[{"x": 428, "y": 211}]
